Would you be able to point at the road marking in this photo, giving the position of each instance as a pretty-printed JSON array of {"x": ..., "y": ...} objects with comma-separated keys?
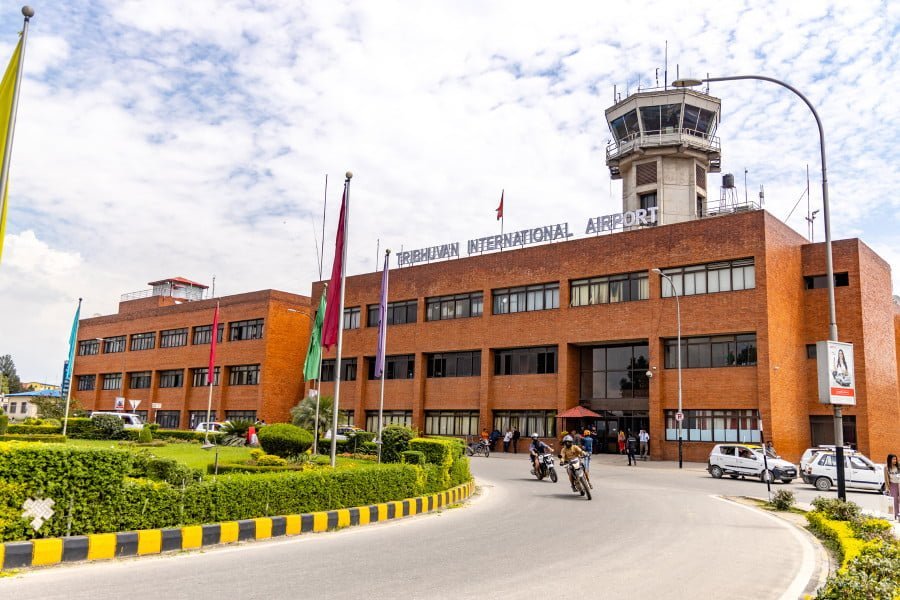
[{"x": 807, "y": 563}]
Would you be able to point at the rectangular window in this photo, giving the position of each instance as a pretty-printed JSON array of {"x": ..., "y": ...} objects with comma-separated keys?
[
  {"x": 245, "y": 330},
  {"x": 610, "y": 288},
  {"x": 710, "y": 278},
  {"x": 143, "y": 341},
  {"x": 525, "y": 361},
  {"x": 740, "y": 426},
  {"x": 459, "y": 306},
  {"x": 172, "y": 338},
  {"x": 454, "y": 364},
  {"x": 198, "y": 376},
  {"x": 86, "y": 383},
  {"x": 171, "y": 379},
  {"x": 243, "y": 375},
  {"x": 195, "y": 417},
  {"x": 112, "y": 381},
  {"x": 718, "y": 351},
  {"x": 112, "y": 345},
  {"x": 398, "y": 313},
  {"x": 240, "y": 415},
  {"x": 88, "y": 347},
  {"x": 168, "y": 419},
  {"x": 526, "y": 298},
  {"x": 618, "y": 371},
  {"x": 139, "y": 380},
  {"x": 348, "y": 369},
  {"x": 351, "y": 318},
  {"x": 451, "y": 422},
  {"x": 203, "y": 334},
  {"x": 810, "y": 351},
  {"x": 541, "y": 422},
  {"x": 648, "y": 200},
  {"x": 401, "y": 366},
  {"x": 388, "y": 417},
  {"x": 818, "y": 282}
]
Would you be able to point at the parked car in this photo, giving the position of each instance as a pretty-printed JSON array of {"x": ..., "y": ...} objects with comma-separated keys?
[
  {"x": 211, "y": 426},
  {"x": 810, "y": 452},
  {"x": 129, "y": 420},
  {"x": 746, "y": 460},
  {"x": 859, "y": 472},
  {"x": 343, "y": 433}
]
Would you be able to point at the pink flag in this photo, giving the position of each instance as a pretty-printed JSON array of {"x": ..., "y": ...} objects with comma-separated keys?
[
  {"x": 210, "y": 376},
  {"x": 333, "y": 302}
]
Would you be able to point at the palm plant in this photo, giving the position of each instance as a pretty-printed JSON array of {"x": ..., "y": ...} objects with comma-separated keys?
[
  {"x": 304, "y": 414},
  {"x": 235, "y": 432}
]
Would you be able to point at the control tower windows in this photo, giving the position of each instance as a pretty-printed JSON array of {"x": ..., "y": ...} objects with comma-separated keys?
[
  {"x": 698, "y": 121},
  {"x": 626, "y": 127},
  {"x": 665, "y": 118}
]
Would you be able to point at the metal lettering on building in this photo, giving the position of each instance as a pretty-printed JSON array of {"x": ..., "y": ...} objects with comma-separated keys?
[
  {"x": 412, "y": 257},
  {"x": 547, "y": 233},
  {"x": 631, "y": 218}
]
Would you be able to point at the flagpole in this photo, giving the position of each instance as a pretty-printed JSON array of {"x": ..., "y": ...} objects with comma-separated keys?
[
  {"x": 383, "y": 343},
  {"x": 211, "y": 372},
  {"x": 27, "y": 12},
  {"x": 340, "y": 316},
  {"x": 71, "y": 369}
]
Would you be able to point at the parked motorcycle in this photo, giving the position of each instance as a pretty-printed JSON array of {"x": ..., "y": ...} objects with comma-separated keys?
[
  {"x": 576, "y": 468},
  {"x": 545, "y": 461},
  {"x": 481, "y": 447}
]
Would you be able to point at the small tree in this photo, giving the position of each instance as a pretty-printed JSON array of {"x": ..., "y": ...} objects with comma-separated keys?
[
  {"x": 9, "y": 379},
  {"x": 395, "y": 441},
  {"x": 304, "y": 414},
  {"x": 285, "y": 440},
  {"x": 108, "y": 427},
  {"x": 52, "y": 407}
]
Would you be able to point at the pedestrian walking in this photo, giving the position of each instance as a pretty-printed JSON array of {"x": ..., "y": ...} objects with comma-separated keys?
[
  {"x": 644, "y": 439},
  {"x": 596, "y": 439},
  {"x": 587, "y": 444},
  {"x": 515, "y": 440},
  {"x": 621, "y": 439},
  {"x": 892, "y": 482},
  {"x": 631, "y": 445},
  {"x": 507, "y": 438},
  {"x": 494, "y": 438}
]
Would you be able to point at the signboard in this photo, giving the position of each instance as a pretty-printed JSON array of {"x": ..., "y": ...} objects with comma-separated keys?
[
  {"x": 837, "y": 379},
  {"x": 120, "y": 403},
  {"x": 156, "y": 405},
  {"x": 134, "y": 404},
  {"x": 679, "y": 416}
]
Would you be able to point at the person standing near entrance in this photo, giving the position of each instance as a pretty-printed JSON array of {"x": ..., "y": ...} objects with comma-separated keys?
[
  {"x": 507, "y": 438},
  {"x": 631, "y": 446},
  {"x": 892, "y": 482},
  {"x": 621, "y": 439},
  {"x": 644, "y": 439},
  {"x": 587, "y": 444},
  {"x": 515, "y": 440}
]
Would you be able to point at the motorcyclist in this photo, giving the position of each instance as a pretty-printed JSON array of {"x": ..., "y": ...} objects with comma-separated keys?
[
  {"x": 568, "y": 452},
  {"x": 537, "y": 448}
]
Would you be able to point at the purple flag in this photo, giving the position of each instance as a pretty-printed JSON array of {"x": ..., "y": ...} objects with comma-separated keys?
[{"x": 382, "y": 320}]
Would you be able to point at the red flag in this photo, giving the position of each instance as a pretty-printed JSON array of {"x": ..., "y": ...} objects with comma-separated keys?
[
  {"x": 500, "y": 208},
  {"x": 333, "y": 301},
  {"x": 210, "y": 375}
]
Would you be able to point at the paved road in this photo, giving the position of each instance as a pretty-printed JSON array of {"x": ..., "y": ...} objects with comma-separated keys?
[{"x": 650, "y": 532}]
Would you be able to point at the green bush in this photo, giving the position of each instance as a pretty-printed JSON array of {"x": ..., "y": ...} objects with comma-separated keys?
[
  {"x": 234, "y": 433},
  {"x": 395, "y": 440},
  {"x": 412, "y": 457},
  {"x": 145, "y": 436},
  {"x": 82, "y": 429},
  {"x": 782, "y": 500},
  {"x": 457, "y": 444},
  {"x": 12, "y": 525},
  {"x": 34, "y": 429},
  {"x": 4, "y": 422},
  {"x": 47, "y": 439},
  {"x": 866, "y": 528},
  {"x": 836, "y": 509},
  {"x": 246, "y": 468},
  {"x": 369, "y": 448},
  {"x": 184, "y": 435},
  {"x": 109, "y": 427},
  {"x": 436, "y": 451},
  {"x": 270, "y": 460},
  {"x": 459, "y": 472},
  {"x": 874, "y": 574},
  {"x": 170, "y": 471},
  {"x": 285, "y": 440}
]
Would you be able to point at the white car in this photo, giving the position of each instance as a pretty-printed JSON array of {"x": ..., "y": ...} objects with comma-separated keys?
[
  {"x": 211, "y": 426},
  {"x": 129, "y": 420},
  {"x": 859, "y": 472},
  {"x": 810, "y": 452},
  {"x": 746, "y": 460}
]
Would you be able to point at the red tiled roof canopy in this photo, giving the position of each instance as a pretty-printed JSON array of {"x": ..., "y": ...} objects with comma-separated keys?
[
  {"x": 577, "y": 412},
  {"x": 179, "y": 280}
]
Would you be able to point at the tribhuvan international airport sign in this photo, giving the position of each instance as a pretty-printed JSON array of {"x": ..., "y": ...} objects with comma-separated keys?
[{"x": 526, "y": 237}]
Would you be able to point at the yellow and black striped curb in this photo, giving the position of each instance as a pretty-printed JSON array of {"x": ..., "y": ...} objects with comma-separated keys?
[{"x": 102, "y": 546}]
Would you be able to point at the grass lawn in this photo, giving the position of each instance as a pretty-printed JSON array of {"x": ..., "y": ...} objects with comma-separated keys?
[{"x": 196, "y": 457}]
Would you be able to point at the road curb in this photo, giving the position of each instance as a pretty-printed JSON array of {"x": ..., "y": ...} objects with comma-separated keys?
[{"x": 148, "y": 542}]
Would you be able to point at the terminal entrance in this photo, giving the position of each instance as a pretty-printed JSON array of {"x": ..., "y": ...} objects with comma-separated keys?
[{"x": 612, "y": 422}]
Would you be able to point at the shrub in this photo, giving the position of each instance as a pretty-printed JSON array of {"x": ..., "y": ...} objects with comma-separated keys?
[
  {"x": 457, "y": 444},
  {"x": 12, "y": 525},
  {"x": 145, "y": 436},
  {"x": 412, "y": 457},
  {"x": 368, "y": 448},
  {"x": 183, "y": 435},
  {"x": 437, "y": 451},
  {"x": 234, "y": 433},
  {"x": 782, "y": 500},
  {"x": 459, "y": 472},
  {"x": 47, "y": 439},
  {"x": 225, "y": 468},
  {"x": 270, "y": 460},
  {"x": 82, "y": 429},
  {"x": 874, "y": 574},
  {"x": 395, "y": 439},
  {"x": 256, "y": 453},
  {"x": 109, "y": 427},
  {"x": 285, "y": 440},
  {"x": 4, "y": 422},
  {"x": 836, "y": 509},
  {"x": 170, "y": 471},
  {"x": 34, "y": 429},
  {"x": 869, "y": 529}
]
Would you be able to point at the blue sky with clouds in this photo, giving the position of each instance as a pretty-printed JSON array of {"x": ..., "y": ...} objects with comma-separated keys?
[{"x": 162, "y": 138}]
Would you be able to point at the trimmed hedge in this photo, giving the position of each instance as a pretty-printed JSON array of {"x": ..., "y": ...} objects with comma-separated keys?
[
  {"x": 395, "y": 439},
  {"x": 182, "y": 434},
  {"x": 47, "y": 439},
  {"x": 412, "y": 457},
  {"x": 4, "y": 422},
  {"x": 458, "y": 444},
  {"x": 285, "y": 440},
  {"x": 225, "y": 468},
  {"x": 34, "y": 429},
  {"x": 436, "y": 451}
]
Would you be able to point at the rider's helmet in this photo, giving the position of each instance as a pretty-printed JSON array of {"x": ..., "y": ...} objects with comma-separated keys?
[
  {"x": 534, "y": 436},
  {"x": 587, "y": 432},
  {"x": 568, "y": 440}
]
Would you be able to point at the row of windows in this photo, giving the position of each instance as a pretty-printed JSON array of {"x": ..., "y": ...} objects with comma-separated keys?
[
  {"x": 11, "y": 408},
  {"x": 714, "y": 426},
  {"x": 173, "y": 378},
  {"x": 173, "y": 338},
  {"x": 516, "y": 361},
  {"x": 398, "y": 313},
  {"x": 713, "y": 351},
  {"x": 526, "y": 298},
  {"x": 610, "y": 289},
  {"x": 710, "y": 278}
]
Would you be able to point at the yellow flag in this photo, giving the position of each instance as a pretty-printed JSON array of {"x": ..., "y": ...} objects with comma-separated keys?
[{"x": 7, "y": 92}]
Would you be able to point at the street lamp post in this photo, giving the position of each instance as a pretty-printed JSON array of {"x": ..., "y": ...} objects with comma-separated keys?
[
  {"x": 678, "y": 357},
  {"x": 829, "y": 267}
]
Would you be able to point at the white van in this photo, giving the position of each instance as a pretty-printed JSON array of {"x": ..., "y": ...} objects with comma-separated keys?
[{"x": 129, "y": 420}]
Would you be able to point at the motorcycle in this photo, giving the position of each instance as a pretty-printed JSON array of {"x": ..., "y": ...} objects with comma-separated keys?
[
  {"x": 545, "y": 462},
  {"x": 576, "y": 468},
  {"x": 481, "y": 447}
]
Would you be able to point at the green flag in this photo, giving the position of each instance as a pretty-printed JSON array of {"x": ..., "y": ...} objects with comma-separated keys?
[{"x": 314, "y": 354}]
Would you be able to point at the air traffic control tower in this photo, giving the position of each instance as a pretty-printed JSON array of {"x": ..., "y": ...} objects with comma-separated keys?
[{"x": 663, "y": 147}]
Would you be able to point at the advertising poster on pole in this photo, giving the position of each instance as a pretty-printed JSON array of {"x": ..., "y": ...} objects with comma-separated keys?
[{"x": 837, "y": 383}]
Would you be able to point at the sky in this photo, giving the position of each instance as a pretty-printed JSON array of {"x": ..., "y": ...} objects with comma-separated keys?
[{"x": 158, "y": 138}]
